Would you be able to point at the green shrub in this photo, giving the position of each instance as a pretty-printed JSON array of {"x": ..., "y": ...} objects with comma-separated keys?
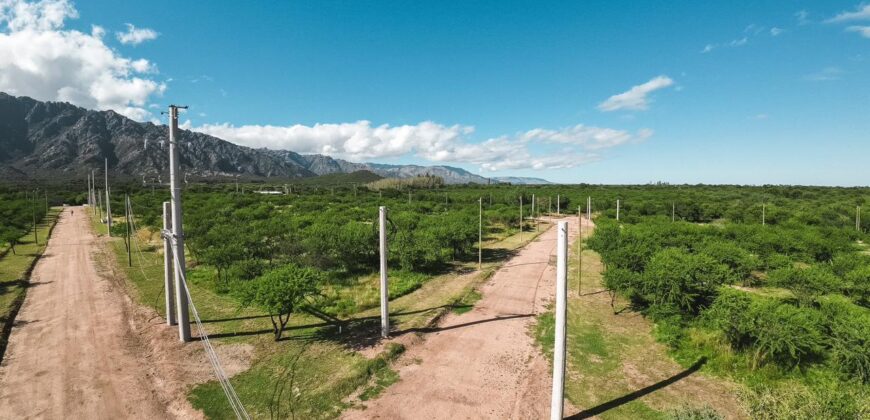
[
  {"x": 807, "y": 283},
  {"x": 728, "y": 313},
  {"x": 739, "y": 260},
  {"x": 695, "y": 413},
  {"x": 795, "y": 400},
  {"x": 783, "y": 334},
  {"x": 772, "y": 331},
  {"x": 848, "y": 331},
  {"x": 686, "y": 281},
  {"x": 858, "y": 285}
]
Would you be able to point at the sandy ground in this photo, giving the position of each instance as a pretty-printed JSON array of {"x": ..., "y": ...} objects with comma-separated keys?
[
  {"x": 72, "y": 352},
  {"x": 484, "y": 363}
]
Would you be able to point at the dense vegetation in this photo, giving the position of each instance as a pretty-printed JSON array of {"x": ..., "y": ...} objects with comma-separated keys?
[
  {"x": 19, "y": 211},
  {"x": 788, "y": 298},
  {"x": 332, "y": 231},
  {"x": 770, "y": 284}
]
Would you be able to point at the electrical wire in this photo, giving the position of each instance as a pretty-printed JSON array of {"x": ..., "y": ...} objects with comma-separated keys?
[{"x": 211, "y": 354}]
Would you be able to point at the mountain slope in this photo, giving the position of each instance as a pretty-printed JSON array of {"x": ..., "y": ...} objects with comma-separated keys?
[
  {"x": 521, "y": 180},
  {"x": 54, "y": 139},
  {"x": 51, "y": 138}
]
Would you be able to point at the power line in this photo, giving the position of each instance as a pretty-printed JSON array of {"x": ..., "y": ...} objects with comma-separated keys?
[{"x": 223, "y": 379}]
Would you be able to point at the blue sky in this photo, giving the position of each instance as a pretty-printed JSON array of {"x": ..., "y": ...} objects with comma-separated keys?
[{"x": 763, "y": 92}]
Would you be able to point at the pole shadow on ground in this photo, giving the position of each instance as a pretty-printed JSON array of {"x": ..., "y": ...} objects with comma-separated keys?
[{"x": 625, "y": 399}]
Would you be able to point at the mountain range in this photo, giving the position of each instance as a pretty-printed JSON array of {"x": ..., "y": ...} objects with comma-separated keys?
[{"x": 55, "y": 139}]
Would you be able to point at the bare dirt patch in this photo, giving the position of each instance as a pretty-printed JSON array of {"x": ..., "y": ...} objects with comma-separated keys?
[
  {"x": 73, "y": 353},
  {"x": 85, "y": 349}
]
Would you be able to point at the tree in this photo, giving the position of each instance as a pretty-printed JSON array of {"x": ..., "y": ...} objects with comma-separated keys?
[
  {"x": 280, "y": 292},
  {"x": 11, "y": 236}
]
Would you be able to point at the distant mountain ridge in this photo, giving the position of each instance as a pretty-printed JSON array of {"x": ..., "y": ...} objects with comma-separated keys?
[
  {"x": 520, "y": 180},
  {"x": 50, "y": 139}
]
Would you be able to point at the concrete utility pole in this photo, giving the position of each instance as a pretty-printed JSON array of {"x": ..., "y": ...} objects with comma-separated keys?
[
  {"x": 382, "y": 238},
  {"x": 177, "y": 229},
  {"x": 100, "y": 204},
  {"x": 33, "y": 213},
  {"x": 521, "y": 217},
  {"x": 617, "y": 209},
  {"x": 480, "y": 233},
  {"x": 558, "y": 205},
  {"x": 93, "y": 194},
  {"x": 89, "y": 193},
  {"x": 556, "y": 404},
  {"x": 533, "y": 206},
  {"x": 108, "y": 205},
  {"x": 168, "y": 265},
  {"x": 763, "y": 214},
  {"x": 589, "y": 208},
  {"x": 579, "y": 250},
  {"x": 549, "y": 205},
  {"x": 534, "y": 212},
  {"x": 673, "y": 211},
  {"x": 127, "y": 219},
  {"x": 858, "y": 218}
]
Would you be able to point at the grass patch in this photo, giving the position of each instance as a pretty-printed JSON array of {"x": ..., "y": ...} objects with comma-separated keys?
[
  {"x": 466, "y": 303},
  {"x": 304, "y": 380},
  {"x": 15, "y": 274}
]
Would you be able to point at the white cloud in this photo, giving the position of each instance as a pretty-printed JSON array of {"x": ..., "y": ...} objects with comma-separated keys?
[
  {"x": 636, "y": 97},
  {"x": 41, "y": 59},
  {"x": 760, "y": 117},
  {"x": 826, "y": 74},
  {"x": 776, "y": 31},
  {"x": 44, "y": 15},
  {"x": 361, "y": 141},
  {"x": 862, "y": 30},
  {"x": 739, "y": 42},
  {"x": 802, "y": 17},
  {"x": 136, "y": 36},
  {"x": 734, "y": 43},
  {"x": 861, "y": 12}
]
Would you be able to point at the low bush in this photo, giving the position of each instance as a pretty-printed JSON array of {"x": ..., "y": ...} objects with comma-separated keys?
[
  {"x": 848, "y": 331},
  {"x": 771, "y": 330}
]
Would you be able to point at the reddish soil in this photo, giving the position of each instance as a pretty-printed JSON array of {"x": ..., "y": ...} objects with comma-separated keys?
[{"x": 484, "y": 363}]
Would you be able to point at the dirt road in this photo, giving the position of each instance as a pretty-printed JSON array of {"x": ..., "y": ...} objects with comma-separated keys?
[
  {"x": 484, "y": 363},
  {"x": 71, "y": 353}
]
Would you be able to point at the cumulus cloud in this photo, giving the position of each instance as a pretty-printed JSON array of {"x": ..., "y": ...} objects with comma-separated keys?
[
  {"x": 861, "y": 12},
  {"x": 862, "y": 30},
  {"x": 360, "y": 141},
  {"x": 636, "y": 97},
  {"x": 136, "y": 36},
  {"x": 776, "y": 31},
  {"x": 41, "y": 59}
]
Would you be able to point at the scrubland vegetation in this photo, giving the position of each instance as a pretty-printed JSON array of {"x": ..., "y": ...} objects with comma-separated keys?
[{"x": 780, "y": 307}]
